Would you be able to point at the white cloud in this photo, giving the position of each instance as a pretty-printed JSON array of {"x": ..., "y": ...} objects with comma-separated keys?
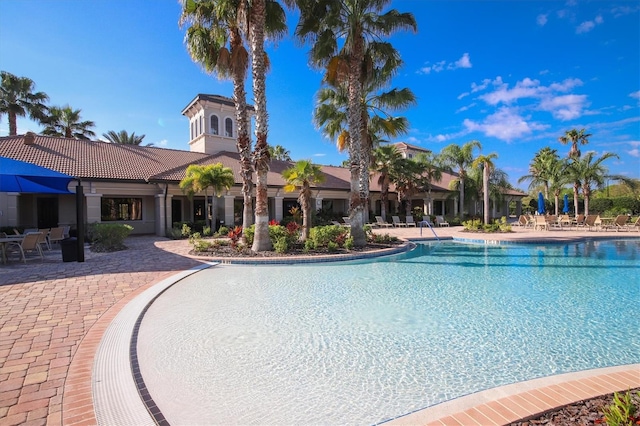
[
  {"x": 566, "y": 107},
  {"x": 506, "y": 125},
  {"x": 566, "y": 85},
  {"x": 624, "y": 10},
  {"x": 587, "y": 26},
  {"x": 319, "y": 155},
  {"x": 634, "y": 152},
  {"x": 464, "y": 108},
  {"x": 542, "y": 20},
  {"x": 526, "y": 88},
  {"x": 446, "y": 137},
  {"x": 544, "y": 72},
  {"x": 635, "y": 95},
  {"x": 162, "y": 143},
  {"x": 463, "y": 62},
  {"x": 463, "y": 95}
]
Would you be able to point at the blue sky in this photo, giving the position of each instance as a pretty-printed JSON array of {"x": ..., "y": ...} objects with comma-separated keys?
[{"x": 514, "y": 75}]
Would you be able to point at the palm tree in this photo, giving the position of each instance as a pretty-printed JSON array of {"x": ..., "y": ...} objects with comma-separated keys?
[
  {"x": 405, "y": 175},
  {"x": 557, "y": 178},
  {"x": 17, "y": 99},
  {"x": 200, "y": 178},
  {"x": 386, "y": 158},
  {"x": 460, "y": 158},
  {"x": 589, "y": 172},
  {"x": 340, "y": 32},
  {"x": 574, "y": 137},
  {"x": 65, "y": 122},
  {"x": 431, "y": 171},
  {"x": 265, "y": 15},
  {"x": 485, "y": 163},
  {"x": 301, "y": 176},
  {"x": 280, "y": 153},
  {"x": 124, "y": 138},
  {"x": 539, "y": 169},
  {"x": 214, "y": 40}
]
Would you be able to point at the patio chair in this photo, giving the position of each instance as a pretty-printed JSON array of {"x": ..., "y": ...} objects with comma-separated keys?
[
  {"x": 382, "y": 223},
  {"x": 335, "y": 222},
  {"x": 65, "y": 231},
  {"x": 28, "y": 245},
  {"x": 56, "y": 235},
  {"x": 635, "y": 226},
  {"x": 397, "y": 223},
  {"x": 540, "y": 223},
  {"x": 522, "y": 221},
  {"x": 427, "y": 220},
  {"x": 592, "y": 221},
  {"x": 441, "y": 222},
  {"x": 580, "y": 221},
  {"x": 45, "y": 237},
  {"x": 620, "y": 224},
  {"x": 410, "y": 221}
]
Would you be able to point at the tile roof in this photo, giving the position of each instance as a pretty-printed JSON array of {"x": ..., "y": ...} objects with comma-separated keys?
[{"x": 218, "y": 99}]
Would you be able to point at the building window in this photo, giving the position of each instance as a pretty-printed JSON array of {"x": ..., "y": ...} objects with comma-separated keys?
[
  {"x": 201, "y": 124},
  {"x": 213, "y": 121},
  {"x": 193, "y": 130},
  {"x": 228, "y": 128},
  {"x": 121, "y": 209}
]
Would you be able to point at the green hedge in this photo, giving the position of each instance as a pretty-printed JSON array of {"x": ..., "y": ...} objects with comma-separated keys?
[{"x": 107, "y": 237}]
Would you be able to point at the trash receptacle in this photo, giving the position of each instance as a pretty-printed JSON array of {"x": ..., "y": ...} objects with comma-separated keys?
[{"x": 69, "y": 248}]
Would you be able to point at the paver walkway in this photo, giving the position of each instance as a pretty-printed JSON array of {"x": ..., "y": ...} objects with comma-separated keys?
[{"x": 53, "y": 314}]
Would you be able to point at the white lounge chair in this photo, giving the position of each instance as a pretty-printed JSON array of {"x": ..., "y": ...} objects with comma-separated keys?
[
  {"x": 397, "y": 223},
  {"x": 427, "y": 221},
  {"x": 410, "y": 221},
  {"x": 382, "y": 223},
  {"x": 441, "y": 222}
]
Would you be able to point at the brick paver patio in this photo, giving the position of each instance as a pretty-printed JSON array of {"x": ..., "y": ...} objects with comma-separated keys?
[{"x": 53, "y": 315}]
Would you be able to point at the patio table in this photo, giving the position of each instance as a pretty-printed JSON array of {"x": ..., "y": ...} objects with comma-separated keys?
[{"x": 3, "y": 245}]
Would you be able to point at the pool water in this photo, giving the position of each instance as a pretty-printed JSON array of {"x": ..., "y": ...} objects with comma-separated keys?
[{"x": 364, "y": 342}]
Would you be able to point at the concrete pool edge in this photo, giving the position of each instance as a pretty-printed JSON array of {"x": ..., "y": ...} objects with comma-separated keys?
[
  {"x": 527, "y": 399},
  {"x": 114, "y": 388}
]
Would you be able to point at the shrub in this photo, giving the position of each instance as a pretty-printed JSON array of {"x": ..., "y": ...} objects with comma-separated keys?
[
  {"x": 472, "y": 225},
  {"x": 206, "y": 231},
  {"x": 331, "y": 246},
  {"x": 348, "y": 243},
  {"x": 186, "y": 230},
  {"x": 200, "y": 245},
  {"x": 621, "y": 412},
  {"x": 600, "y": 205},
  {"x": 234, "y": 235},
  {"x": 309, "y": 245},
  {"x": 381, "y": 238},
  {"x": 281, "y": 245},
  {"x": 223, "y": 231},
  {"x": 108, "y": 237},
  {"x": 323, "y": 235},
  {"x": 630, "y": 204},
  {"x": 174, "y": 233},
  {"x": 248, "y": 234}
]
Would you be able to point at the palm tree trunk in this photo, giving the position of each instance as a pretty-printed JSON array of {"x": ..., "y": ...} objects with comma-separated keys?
[
  {"x": 485, "y": 189},
  {"x": 13, "y": 126},
  {"x": 359, "y": 182},
  {"x": 586, "y": 192},
  {"x": 575, "y": 198},
  {"x": 461, "y": 198},
  {"x": 243, "y": 142},
  {"x": 555, "y": 197},
  {"x": 261, "y": 241},
  {"x": 384, "y": 199},
  {"x": 305, "y": 200},
  {"x": 206, "y": 209}
]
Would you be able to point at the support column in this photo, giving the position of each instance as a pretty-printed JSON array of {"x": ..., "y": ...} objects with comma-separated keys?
[
  {"x": 319, "y": 203},
  {"x": 229, "y": 214},
  {"x": 427, "y": 206},
  {"x": 519, "y": 207},
  {"x": 9, "y": 209},
  {"x": 163, "y": 214},
  {"x": 277, "y": 201},
  {"x": 94, "y": 210},
  {"x": 455, "y": 206}
]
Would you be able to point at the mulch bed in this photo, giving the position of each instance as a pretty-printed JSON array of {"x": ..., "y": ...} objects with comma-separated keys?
[{"x": 584, "y": 413}]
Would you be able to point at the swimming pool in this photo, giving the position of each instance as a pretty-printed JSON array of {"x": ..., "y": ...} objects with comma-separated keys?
[{"x": 362, "y": 342}]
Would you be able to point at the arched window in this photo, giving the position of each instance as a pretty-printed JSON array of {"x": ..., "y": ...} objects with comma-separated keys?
[
  {"x": 213, "y": 121},
  {"x": 193, "y": 130},
  {"x": 228, "y": 127},
  {"x": 201, "y": 124}
]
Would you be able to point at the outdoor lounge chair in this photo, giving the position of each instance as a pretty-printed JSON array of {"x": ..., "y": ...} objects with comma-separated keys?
[
  {"x": 56, "y": 235},
  {"x": 410, "y": 221},
  {"x": 427, "y": 221},
  {"x": 441, "y": 222},
  {"x": 540, "y": 222},
  {"x": 635, "y": 226},
  {"x": 579, "y": 222},
  {"x": 522, "y": 221},
  {"x": 592, "y": 221},
  {"x": 29, "y": 244},
  {"x": 620, "y": 224},
  {"x": 397, "y": 223},
  {"x": 382, "y": 223}
]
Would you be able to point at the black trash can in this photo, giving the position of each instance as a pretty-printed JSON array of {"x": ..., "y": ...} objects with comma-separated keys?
[{"x": 69, "y": 248}]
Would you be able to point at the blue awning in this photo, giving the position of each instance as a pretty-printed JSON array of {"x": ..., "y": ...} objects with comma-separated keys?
[{"x": 18, "y": 176}]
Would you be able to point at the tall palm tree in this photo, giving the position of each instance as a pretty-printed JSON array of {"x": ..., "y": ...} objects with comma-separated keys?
[
  {"x": 200, "y": 178},
  {"x": 17, "y": 99},
  {"x": 301, "y": 176},
  {"x": 574, "y": 137},
  {"x": 431, "y": 171},
  {"x": 264, "y": 15},
  {"x": 124, "y": 138},
  {"x": 340, "y": 32},
  {"x": 460, "y": 158},
  {"x": 66, "y": 122},
  {"x": 405, "y": 175},
  {"x": 485, "y": 162},
  {"x": 557, "y": 178},
  {"x": 385, "y": 158},
  {"x": 539, "y": 169},
  {"x": 590, "y": 171},
  {"x": 214, "y": 39},
  {"x": 280, "y": 153}
]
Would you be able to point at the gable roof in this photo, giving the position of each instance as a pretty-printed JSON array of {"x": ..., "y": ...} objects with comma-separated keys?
[{"x": 216, "y": 99}]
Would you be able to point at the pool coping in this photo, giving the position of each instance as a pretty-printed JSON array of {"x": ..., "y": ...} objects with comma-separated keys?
[{"x": 116, "y": 403}]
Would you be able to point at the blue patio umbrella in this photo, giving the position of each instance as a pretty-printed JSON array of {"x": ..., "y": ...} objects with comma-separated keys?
[
  {"x": 565, "y": 208},
  {"x": 18, "y": 176},
  {"x": 540, "y": 203}
]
